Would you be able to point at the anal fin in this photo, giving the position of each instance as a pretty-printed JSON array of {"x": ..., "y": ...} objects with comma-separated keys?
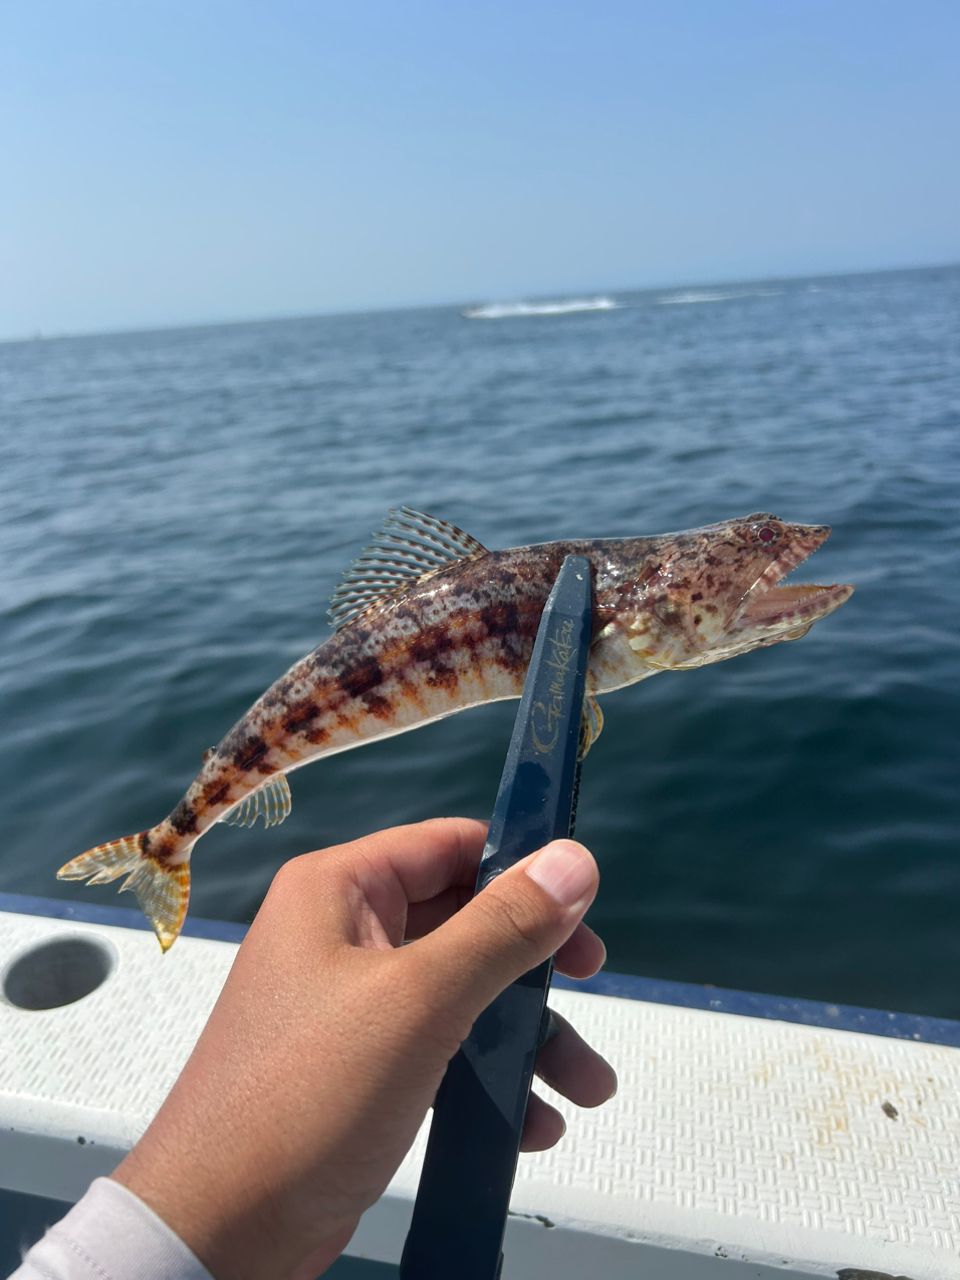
[{"x": 271, "y": 802}]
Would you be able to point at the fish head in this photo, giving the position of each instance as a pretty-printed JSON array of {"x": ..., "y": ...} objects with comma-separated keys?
[{"x": 716, "y": 592}]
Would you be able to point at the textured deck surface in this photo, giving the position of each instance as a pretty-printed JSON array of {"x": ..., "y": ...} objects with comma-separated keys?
[{"x": 735, "y": 1147}]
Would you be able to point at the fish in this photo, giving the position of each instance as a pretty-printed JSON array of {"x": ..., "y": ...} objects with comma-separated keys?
[{"x": 428, "y": 622}]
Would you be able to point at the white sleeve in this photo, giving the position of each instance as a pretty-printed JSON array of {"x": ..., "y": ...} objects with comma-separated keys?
[{"x": 110, "y": 1235}]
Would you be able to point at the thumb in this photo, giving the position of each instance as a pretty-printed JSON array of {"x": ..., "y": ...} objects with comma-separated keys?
[{"x": 518, "y": 920}]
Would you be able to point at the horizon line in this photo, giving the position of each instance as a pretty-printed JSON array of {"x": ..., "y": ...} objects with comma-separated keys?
[{"x": 294, "y": 317}]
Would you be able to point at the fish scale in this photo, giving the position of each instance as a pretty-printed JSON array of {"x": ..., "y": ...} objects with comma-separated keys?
[{"x": 428, "y": 622}]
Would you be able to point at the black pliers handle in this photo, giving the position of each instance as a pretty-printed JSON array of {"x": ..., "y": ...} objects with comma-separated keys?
[{"x": 471, "y": 1157}]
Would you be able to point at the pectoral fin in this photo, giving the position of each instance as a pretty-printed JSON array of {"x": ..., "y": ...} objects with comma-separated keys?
[{"x": 591, "y": 726}]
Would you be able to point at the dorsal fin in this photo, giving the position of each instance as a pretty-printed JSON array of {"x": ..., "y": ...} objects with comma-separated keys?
[{"x": 408, "y": 547}]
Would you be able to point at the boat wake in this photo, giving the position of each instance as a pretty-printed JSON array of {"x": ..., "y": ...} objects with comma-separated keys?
[
  {"x": 713, "y": 295},
  {"x": 563, "y": 307}
]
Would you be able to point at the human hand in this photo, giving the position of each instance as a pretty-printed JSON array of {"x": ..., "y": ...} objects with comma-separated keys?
[{"x": 329, "y": 1040}]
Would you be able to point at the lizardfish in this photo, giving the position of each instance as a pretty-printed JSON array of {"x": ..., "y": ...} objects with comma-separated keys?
[{"x": 428, "y": 622}]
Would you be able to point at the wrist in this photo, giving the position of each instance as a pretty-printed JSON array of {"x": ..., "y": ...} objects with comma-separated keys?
[{"x": 238, "y": 1232}]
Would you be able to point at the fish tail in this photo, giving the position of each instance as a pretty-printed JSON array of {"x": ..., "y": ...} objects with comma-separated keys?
[{"x": 162, "y": 887}]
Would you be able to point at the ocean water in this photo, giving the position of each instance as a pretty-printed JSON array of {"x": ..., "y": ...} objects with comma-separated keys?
[{"x": 177, "y": 507}]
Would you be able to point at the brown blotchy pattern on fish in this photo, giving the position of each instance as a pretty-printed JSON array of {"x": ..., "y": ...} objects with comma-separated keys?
[
  {"x": 249, "y": 752},
  {"x": 358, "y": 680},
  {"x": 216, "y": 792},
  {"x": 161, "y": 844},
  {"x": 300, "y": 716},
  {"x": 183, "y": 819},
  {"x": 363, "y": 674},
  {"x": 377, "y": 705}
]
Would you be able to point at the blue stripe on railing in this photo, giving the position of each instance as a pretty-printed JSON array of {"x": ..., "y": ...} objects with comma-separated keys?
[
  {"x": 119, "y": 917},
  {"x": 749, "y": 1004},
  {"x": 689, "y": 995}
]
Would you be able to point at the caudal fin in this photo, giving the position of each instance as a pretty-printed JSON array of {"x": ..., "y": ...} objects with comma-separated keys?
[{"x": 162, "y": 890}]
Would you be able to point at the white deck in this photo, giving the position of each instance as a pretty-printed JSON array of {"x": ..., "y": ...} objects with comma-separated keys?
[{"x": 736, "y": 1147}]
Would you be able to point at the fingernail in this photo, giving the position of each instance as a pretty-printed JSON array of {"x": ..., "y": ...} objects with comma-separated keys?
[{"x": 565, "y": 870}]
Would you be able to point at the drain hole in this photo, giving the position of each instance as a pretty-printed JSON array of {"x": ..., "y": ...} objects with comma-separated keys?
[{"x": 58, "y": 972}]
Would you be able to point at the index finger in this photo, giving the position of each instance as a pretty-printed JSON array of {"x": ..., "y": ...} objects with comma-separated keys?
[{"x": 423, "y": 858}]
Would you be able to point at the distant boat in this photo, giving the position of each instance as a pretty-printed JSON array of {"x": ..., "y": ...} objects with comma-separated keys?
[{"x": 563, "y": 307}]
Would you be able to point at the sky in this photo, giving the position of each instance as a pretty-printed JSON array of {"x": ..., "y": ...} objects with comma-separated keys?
[{"x": 183, "y": 162}]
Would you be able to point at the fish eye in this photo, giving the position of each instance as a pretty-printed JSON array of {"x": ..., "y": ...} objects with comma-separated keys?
[{"x": 766, "y": 534}]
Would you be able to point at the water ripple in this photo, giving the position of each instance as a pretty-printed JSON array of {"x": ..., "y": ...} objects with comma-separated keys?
[{"x": 178, "y": 507}]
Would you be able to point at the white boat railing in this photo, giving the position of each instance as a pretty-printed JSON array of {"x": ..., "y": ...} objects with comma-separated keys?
[{"x": 738, "y": 1146}]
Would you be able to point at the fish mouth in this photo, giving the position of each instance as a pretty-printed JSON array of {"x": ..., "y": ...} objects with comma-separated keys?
[{"x": 788, "y": 611}]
